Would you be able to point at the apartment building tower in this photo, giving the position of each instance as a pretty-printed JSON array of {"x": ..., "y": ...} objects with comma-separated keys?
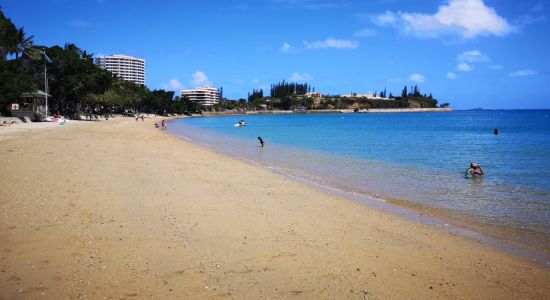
[{"x": 126, "y": 67}]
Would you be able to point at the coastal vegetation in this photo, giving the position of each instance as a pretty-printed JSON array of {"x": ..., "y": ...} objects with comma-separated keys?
[{"x": 75, "y": 83}]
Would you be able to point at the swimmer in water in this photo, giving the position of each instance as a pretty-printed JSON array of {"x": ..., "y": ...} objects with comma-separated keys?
[
  {"x": 475, "y": 169},
  {"x": 261, "y": 141}
]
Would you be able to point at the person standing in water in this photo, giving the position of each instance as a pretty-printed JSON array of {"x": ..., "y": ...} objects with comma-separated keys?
[
  {"x": 495, "y": 132},
  {"x": 475, "y": 169},
  {"x": 261, "y": 141}
]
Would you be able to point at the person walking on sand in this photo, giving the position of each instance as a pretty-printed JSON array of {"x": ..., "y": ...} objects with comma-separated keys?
[
  {"x": 475, "y": 169},
  {"x": 261, "y": 141}
]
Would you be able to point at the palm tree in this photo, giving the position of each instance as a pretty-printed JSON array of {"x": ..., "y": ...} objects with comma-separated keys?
[
  {"x": 8, "y": 33},
  {"x": 22, "y": 42}
]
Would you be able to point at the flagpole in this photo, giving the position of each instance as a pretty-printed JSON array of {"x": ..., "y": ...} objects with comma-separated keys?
[{"x": 46, "y": 84}]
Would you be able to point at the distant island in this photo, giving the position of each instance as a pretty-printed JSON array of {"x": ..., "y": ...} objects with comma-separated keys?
[{"x": 301, "y": 96}]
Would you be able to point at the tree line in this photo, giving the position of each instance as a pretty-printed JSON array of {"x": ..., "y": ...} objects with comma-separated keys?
[
  {"x": 75, "y": 83},
  {"x": 285, "y": 89}
]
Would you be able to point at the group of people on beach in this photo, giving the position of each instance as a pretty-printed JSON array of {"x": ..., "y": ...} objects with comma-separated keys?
[
  {"x": 6, "y": 123},
  {"x": 162, "y": 126}
]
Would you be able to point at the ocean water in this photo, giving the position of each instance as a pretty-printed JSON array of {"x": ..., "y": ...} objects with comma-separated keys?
[{"x": 415, "y": 158}]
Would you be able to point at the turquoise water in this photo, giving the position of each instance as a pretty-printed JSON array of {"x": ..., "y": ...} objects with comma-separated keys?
[{"x": 416, "y": 157}]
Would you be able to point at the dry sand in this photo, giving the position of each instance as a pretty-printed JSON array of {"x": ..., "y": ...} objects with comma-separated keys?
[{"x": 118, "y": 209}]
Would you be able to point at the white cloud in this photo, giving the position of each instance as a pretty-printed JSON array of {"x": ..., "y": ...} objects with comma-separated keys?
[
  {"x": 472, "y": 56},
  {"x": 466, "y": 18},
  {"x": 387, "y": 18},
  {"x": 286, "y": 47},
  {"x": 451, "y": 75},
  {"x": 332, "y": 43},
  {"x": 367, "y": 32},
  {"x": 300, "y": 77},
  {"x": 495, "y": 67},
  {"x": 523, "y": 73},
  {"x": 200, "y": 79},
  {"x": 173, "y": 85},
  {"x": 464, "y": 67},
  {"x": 255, "y": 80},
  {"x": 417, "y": 77}
]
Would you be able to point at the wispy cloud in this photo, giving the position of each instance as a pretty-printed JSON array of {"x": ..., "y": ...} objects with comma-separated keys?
[
  {"x": 200, "y": 79},
  {"x": 528, "y": 19},
  {"x": 300, "y": 77},
  {"x": 331, "y": 43},
  {"x": 523, "y": 73},
  {"x": 534, "y": 15},
  {"x": 415, "y": 77},
  {"x": 387, "y": 18},
  {"x": 464, "y": 67},
  {"x": 173, "y": 85},
  {"x": 255, "y": 80},
  {"x": 367, "y": 32},
  {"x": 495, "y": 67},
  {"x": 465, "y": 18},
  {"x": 472, "y": 56},
  {"x": 537, "y": 7},
  {"x": 451, "y": 75},
  {"x": 286, "y": 47}
]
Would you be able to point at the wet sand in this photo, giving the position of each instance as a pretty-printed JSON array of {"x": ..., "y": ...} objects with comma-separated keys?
[{"x": 119, "y": 209}]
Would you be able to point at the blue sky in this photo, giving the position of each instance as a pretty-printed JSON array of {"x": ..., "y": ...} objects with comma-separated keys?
[{"x": 471, "y": 53}]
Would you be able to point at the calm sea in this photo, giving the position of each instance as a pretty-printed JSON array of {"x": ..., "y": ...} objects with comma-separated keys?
[{"x": 414, "y": 158}]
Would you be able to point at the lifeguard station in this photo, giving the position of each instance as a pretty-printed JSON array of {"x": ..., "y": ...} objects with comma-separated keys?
[{"x": 31, "y": 106}]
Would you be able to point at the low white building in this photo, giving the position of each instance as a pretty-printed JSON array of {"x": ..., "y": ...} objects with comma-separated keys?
[
  {"x": 313, "y": 95},
  {"x": 206, "y": 96},
  {"x": 369, "y": 96}
]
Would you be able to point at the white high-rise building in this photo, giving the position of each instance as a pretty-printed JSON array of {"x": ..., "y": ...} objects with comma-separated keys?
[
  {"x": 206, "y": 96},
  {"x": 126, "y": 67}
]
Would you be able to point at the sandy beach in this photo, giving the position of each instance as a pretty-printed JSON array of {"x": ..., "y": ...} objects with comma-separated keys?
[{"x": 120, "y": 210}]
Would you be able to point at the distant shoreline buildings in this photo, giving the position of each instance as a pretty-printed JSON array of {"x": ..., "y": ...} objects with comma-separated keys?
[
  {"x": 126, "y": 67},
  {"x": 369, "y": 96},
  {"x": 206, "y": 96}
]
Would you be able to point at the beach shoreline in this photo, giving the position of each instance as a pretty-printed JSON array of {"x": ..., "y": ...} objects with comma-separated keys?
[
  {"x": 510, "y": 240},
  {"x": 125, "y": 210},
  {"x": 522, "y": 241},
  {"x": 325, "y": 111}
]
